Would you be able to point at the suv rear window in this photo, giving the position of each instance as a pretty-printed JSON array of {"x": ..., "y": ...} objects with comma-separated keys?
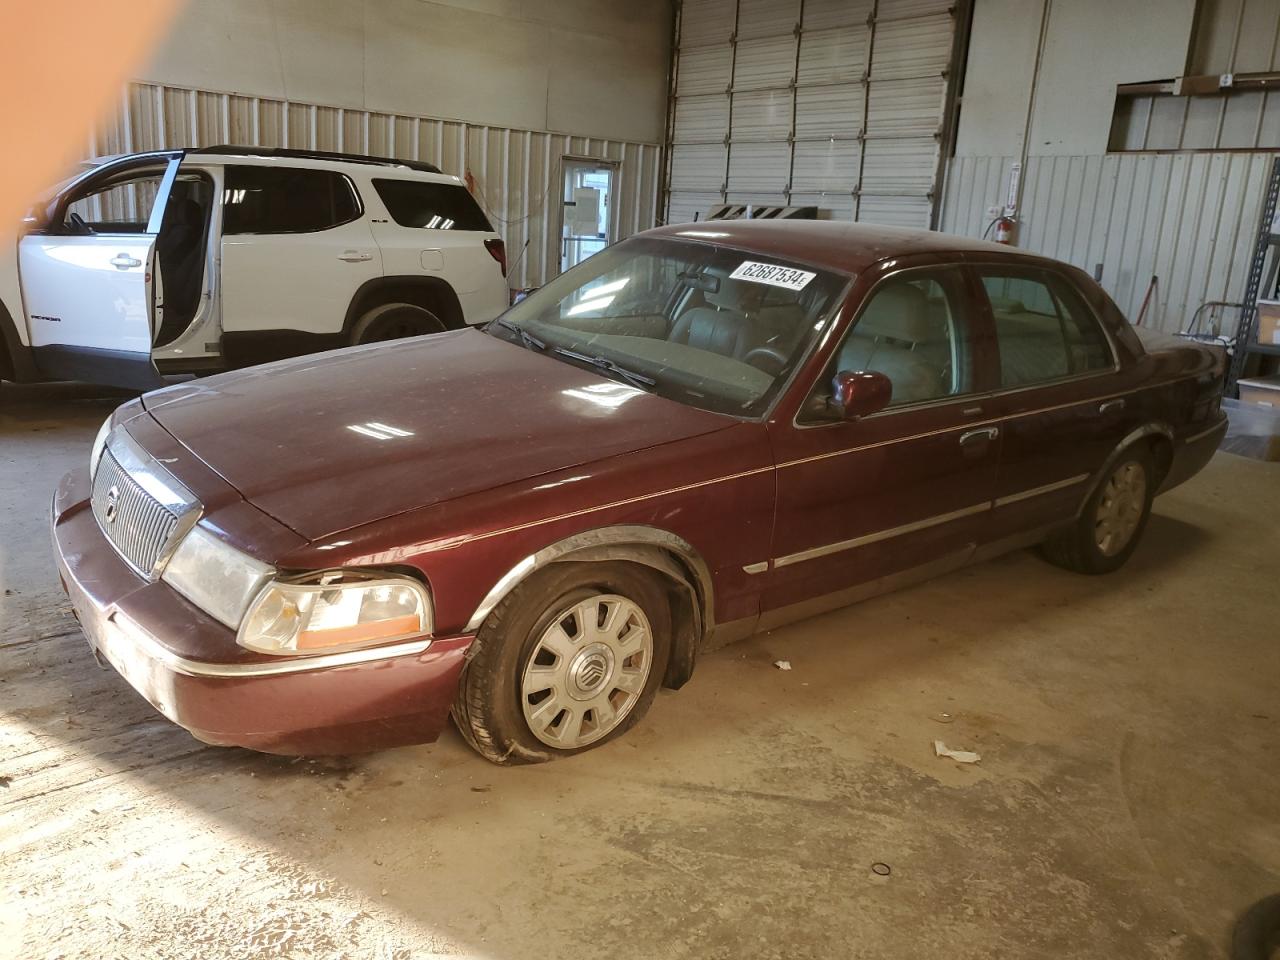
[
  {"x": 431, "y": 206},
  {"x": 286, "y": 200}
]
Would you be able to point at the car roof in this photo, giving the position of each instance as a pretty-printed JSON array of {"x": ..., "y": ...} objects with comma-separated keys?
[{"x": 833, "y": 244}]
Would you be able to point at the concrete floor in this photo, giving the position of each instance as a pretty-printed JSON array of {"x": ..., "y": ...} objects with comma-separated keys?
[{"x": 1127, "y": 803}]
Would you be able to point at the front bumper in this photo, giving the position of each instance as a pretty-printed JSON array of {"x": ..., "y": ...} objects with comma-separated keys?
[{"x": 339, "y": 703}]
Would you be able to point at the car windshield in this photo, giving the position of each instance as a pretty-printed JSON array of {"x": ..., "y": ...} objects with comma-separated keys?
[{"x": 716, "y": 328}]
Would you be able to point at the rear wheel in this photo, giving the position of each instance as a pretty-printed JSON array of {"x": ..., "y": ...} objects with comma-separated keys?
[
  {"x": 392, "y": 321},
  {"x": 570, "y": 660},
  {"x": 1111, "y": 523}
]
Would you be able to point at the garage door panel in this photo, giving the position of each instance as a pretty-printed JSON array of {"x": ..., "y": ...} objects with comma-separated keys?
[
  {"x": 898, "y": 9},
  {"x": 833, "y": 56},
  {"x": 919, "y": 47},
  {"x": 706, "y": 22},
  {"x": 759, "y": 166},
  {"x": 758, "y": 198},
  {"x": 701, "y": 119},
  {"x": 834, "y": 111},
  {"x": 831, "y": 206},
  {"x": 698, "y": 166},
  {"x": 906, "y": 166},
  {"x": 906, "y": 108},
  {"x": 825, "y": 165},
  {"x": 686, "y": 205},
  {"x": 767, "y": 18},
  {"x": 764, "y": 63},
  {"x": 822, "y": 14},
  {"x": 704, "y": 70},
  {"x": 896, "y": 211},
  {"x": 762, "y": 115},
  {"x": 846, "y": 116}
]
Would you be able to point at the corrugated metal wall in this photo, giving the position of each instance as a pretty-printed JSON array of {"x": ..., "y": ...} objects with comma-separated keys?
[
  {"x": 517, "y": 172},
  {"x": 1190, "y": 219},
  {"x": 836, "y": 104}
]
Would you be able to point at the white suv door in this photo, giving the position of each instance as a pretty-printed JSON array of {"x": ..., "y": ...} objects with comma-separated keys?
[
  {"x": 295, "y": 248},
  {"x": 87, "y": 269}
]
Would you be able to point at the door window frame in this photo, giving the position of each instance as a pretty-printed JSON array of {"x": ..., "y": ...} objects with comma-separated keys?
[
  {"x": 56, "y": 212},
  {"x": 975, "y": 324},
  {"x": 1049, "y": 276}
]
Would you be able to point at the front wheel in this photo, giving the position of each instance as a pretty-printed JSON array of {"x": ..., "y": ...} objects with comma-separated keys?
[
  {"x": 1111, "y": 523},
  {"x": 568, "y": 661},
  {"x": 392, "y": 321}
]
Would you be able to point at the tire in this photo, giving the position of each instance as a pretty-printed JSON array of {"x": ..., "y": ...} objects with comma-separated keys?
[
  {"x": 511, "y": 659},
  {"x": 1257, "y": 932},
  {"x": 392, "y": 321},
  {"x": 1112, "y": 521}
]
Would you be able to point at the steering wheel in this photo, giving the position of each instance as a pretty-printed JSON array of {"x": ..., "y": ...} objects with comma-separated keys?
[
  {"x": 775, "y": 359},
  {"x": 79, "y": 223}
]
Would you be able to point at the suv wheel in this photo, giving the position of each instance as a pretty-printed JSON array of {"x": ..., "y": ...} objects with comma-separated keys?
[
  {"x": 392, "y": 321},
  {"x": 569, "y": 660}
]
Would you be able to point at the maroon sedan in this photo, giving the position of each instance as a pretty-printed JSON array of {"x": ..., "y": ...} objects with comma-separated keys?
[{"x": 701, "y": 432}]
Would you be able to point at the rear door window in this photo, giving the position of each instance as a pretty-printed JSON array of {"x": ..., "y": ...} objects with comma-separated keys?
[
  {"x": 431, "y": 206},
  {"x": 286, "y": 200},
  {"x": 1043, "y": 328}
]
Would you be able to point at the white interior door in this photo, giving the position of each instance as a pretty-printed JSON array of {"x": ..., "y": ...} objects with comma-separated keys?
[
  {"x": 87, "y": 275},
  {"x": 587, "y": 199}
]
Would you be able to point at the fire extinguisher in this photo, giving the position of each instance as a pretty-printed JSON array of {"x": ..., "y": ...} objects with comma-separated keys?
[{"x": 1004, "y": 229}]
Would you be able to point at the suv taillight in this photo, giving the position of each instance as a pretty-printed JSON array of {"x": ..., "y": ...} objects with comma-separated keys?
[{"x": 498, "y": 250}]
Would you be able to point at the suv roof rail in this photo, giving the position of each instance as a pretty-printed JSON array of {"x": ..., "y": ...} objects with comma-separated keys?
[{"x": 238, "y": 151}]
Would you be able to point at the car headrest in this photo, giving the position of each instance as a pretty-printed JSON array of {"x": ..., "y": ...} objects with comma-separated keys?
[
  {"x": 740, "y": 296},
  {"x": 899, "y": 311}
]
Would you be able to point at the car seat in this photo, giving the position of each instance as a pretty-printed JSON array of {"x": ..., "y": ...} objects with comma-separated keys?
[{"x": 885, "y": 339}]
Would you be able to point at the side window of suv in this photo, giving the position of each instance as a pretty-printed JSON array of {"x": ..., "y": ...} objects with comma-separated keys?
[
  {"x": 286, "y": 200},
  {"x": 431, "y": 206},
  {"x": 1043, "y": 328}
]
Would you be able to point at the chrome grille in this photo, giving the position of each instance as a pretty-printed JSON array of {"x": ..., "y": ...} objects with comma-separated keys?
[{"x": 138, "y": 525}]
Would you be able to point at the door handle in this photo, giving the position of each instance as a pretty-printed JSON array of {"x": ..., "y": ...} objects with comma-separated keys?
[
  {"x": 983, "y": 433},
  {"x": 1111, "y": 406},
  {"x": 355, "y": 256},
  {"x": 122, "y": 261}
]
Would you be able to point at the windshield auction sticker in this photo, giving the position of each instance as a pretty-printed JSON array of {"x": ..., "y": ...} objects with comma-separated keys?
[{"x": 773, "y": 275}]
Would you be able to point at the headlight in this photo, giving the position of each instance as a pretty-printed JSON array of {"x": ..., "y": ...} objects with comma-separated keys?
[
  {"x": 99, "y": 444},
  {"x": 215, "y": 576},
  {"x": 339, "y": 613}
]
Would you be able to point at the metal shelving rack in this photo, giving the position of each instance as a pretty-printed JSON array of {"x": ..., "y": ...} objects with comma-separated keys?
[{"x": 1267, "y": 248}]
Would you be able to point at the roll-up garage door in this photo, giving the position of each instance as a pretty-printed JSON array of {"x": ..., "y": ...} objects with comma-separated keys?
[{"x": 838, "y": 104}]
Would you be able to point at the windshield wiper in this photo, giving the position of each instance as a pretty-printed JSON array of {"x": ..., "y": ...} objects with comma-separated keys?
[
  {"x": 527, "y": 338},
  {"x": 604, "y": 363}
]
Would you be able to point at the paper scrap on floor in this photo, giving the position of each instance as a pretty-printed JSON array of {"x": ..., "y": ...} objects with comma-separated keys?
[{"x": 960, "y": 756}]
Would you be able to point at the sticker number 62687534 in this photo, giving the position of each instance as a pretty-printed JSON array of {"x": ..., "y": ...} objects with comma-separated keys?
[{"x": 772, "y": 274}]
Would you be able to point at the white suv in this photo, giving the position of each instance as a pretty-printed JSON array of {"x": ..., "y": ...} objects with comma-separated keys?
[{"x": 187, "y": 261}]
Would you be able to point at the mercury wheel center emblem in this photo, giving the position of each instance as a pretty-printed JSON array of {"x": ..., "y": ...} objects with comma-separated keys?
[
  {"x": 590, "y": 670},
  {"x": 112, "y": 508}
]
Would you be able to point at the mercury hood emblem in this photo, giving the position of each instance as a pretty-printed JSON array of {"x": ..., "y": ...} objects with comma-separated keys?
[{"x": 112, "y": 506}]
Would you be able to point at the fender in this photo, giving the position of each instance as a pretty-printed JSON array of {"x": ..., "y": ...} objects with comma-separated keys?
[
  {"x": 650, "y": 546},
  {"x": 411, "y": 288},
  {"x": 1153, "y": 429},
  {"x": 17, "y": 363}
]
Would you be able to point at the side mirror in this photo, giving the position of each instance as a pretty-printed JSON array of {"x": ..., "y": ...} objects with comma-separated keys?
[{"x": 860, "y": 393}]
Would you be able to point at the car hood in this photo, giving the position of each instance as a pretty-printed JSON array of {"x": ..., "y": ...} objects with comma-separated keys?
[{"x": 330, "y": 441}]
